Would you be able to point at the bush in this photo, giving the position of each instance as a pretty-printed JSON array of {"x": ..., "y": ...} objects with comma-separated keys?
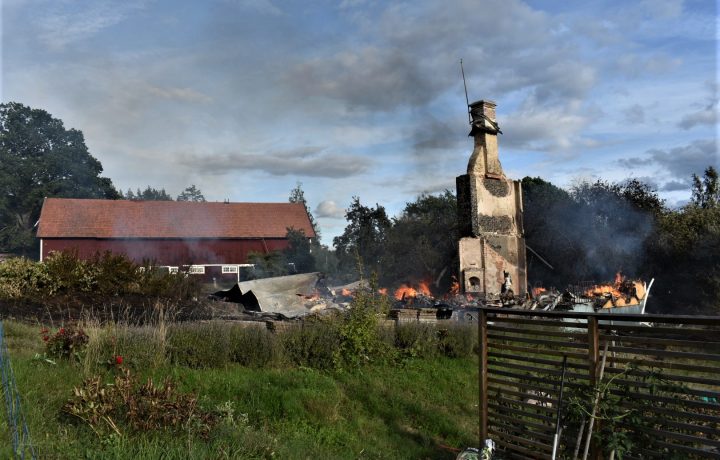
[
  {"x": 68, "y": 273},
  {"x": 115, "y": 274},
  {"x": 105, "y": 274},
  {"x": 360, "y": 339},
  {"x": 21, "y": 277},
  {"x": 66, "y": 343}
]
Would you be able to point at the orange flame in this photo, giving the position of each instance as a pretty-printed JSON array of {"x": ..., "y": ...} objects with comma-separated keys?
[
  {"x": 536, "y": 291},
  {"x": 454, "y": 287},
  {"x": 346, "y": 292},
  {"x": 382, "y": 291},
  {"x": 406, "y": 292}
]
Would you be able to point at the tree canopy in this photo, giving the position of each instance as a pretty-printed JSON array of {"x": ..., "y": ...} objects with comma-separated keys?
[
  {"x": 422, "y": 243},
  {"x": 40, "y": 158},
  {"x": 191, "y": 193},
  {"x": 297, "y": 195},
  {"x": 149, "y": 194},
  {"x": 365, "y": 236}
]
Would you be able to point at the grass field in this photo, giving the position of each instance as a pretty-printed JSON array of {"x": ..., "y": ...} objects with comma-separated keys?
[{"x": 421, "y": 406}]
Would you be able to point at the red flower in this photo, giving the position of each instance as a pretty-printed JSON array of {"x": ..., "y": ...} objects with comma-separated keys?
[
  {"x": 46, "y": 338},
  {"x": 61, "y": 331},
  {"x": 118, "y": 360},
  {"x": 44, "y": 330}
]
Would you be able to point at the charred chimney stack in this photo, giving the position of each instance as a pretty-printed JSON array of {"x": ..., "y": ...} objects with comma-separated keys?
[{"x": 492, "y": 245}]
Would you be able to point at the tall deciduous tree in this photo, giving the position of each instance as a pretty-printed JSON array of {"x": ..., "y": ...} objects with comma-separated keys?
[
  {"x": 297, "y": 195},
  {"x": 706, "y": 192},
  {"x": 191, "y": 193},
  {"x": 365, "y": 236},
  {"x": 423, "y": 241},
  {"x": 299, "y": 251},
  {"x": 40, "y": 158}
]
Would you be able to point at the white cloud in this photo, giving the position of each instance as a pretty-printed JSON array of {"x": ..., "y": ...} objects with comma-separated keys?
[
  {"x": 61, "y": 25},
  {"x": 329, "y": 209},
  {"x": 306, "y": 161}
]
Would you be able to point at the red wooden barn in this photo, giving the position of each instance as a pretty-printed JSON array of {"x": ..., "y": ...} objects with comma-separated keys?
[{"x": 168, "y": 233}]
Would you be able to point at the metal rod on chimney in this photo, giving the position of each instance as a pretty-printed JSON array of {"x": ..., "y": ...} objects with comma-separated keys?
[{"x": 467, "y": 101}]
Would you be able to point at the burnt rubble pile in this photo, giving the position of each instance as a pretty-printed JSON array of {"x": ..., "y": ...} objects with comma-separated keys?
[{"x": 296, "y": 296}]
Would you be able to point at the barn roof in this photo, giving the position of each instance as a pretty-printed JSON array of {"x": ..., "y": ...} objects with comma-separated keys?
[{"x": 80, "y": 218}]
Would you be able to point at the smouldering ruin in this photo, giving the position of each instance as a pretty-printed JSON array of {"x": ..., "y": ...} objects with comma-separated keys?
[{"x": 492, "y": 246}]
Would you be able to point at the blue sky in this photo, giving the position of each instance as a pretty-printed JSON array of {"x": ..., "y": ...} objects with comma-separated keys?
[{"x": 245, "y": 98}]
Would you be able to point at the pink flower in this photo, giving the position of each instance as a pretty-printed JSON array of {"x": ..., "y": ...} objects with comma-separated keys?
[{"x": 118, "y": 360}]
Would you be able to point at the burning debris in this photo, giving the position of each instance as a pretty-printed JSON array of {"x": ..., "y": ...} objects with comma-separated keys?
[{"x": 622, "y": 295}]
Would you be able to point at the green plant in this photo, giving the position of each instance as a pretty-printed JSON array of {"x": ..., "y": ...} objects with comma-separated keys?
[
  {"x": 66, "y": 343},
  {"x": 360, "y": 341}
]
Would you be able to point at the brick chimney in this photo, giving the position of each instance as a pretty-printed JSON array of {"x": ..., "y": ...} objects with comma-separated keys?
[{"x": 491, "y": 246}]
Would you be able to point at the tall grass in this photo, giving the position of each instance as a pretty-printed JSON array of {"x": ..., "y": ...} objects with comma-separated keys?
[{"x": 277, "y": 392}]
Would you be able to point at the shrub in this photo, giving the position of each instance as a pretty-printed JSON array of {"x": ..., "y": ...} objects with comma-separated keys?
[
  {"x": 66, "y": 343},
  {"x": 360, "y": 340},
  {"x": 156, "y": 282},
  {"x": 21, "y": 277},
  {"x": 68, "y": 273},
  {"x": 115, "y": 274}
]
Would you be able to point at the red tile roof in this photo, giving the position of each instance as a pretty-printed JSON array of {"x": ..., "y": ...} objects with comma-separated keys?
[{"x": 76, "y": 218}]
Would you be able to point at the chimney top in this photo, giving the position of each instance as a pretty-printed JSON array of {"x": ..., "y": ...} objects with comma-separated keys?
[{"x": 482, "y": 115}]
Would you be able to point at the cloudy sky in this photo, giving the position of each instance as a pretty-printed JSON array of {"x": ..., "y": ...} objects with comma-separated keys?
[{"x": 245, "y": 98}]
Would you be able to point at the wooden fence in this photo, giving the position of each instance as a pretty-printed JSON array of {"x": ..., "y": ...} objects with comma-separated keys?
[{"x": 652, "y": 382}]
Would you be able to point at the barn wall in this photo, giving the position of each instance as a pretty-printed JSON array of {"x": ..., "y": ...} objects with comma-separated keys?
[{"x": 168, "y": 251}]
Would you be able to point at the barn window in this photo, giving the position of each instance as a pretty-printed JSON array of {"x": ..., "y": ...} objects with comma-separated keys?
[
  {"x": 229, "y": 268},
  {"x": 196, "y": 270},
  {"x": 173, "y": 270}
]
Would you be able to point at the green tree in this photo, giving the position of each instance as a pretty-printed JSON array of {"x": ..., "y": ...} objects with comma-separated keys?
[
  {"x": 706, "y": 192},
  {"x": 683, "y": 258},
  {"x": 149, "y": 194},
  {"x": 268, "y": 264},
  {"x": 365, "y": 236},
  {"x": 297, "y": 195},
  {"x": 422, "y": 243},
  {"x": 191, "y": 193},
  {"x": 40, "y": 158},
  {"x": 299, "y": 251}
]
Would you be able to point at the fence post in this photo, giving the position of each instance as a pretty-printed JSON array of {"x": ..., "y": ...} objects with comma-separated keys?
[
  {"x": 483, "y": 375},
  {"x": 594, "y": 363},
  {"x": 593, "y": 348}
]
